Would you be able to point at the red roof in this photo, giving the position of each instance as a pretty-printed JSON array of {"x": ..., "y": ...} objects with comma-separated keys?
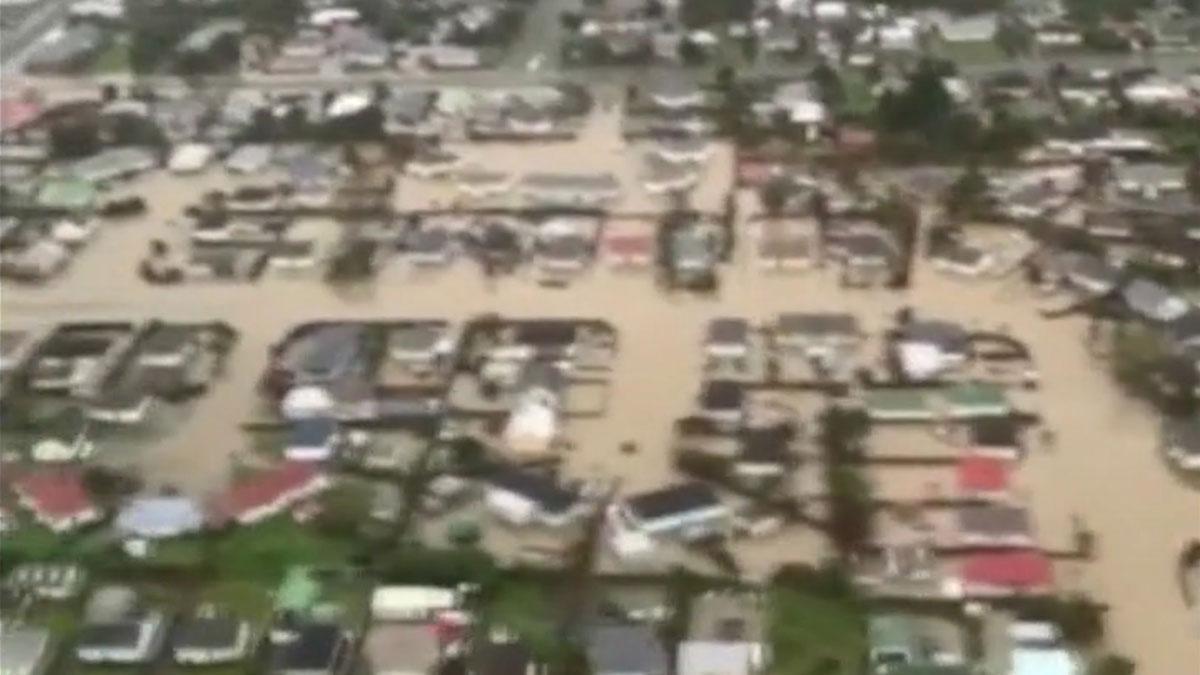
[
  {"x": 16, "y": 113},
  {"x": 982, "y": 474},
  {"x": 629, "y": 244},
  {"x": 266, "y": 487},
  {"x": 1016, "y": 570},
  {"x": 54, "y": 493}
]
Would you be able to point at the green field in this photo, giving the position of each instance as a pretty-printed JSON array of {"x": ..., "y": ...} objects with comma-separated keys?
[
  {"x": 816, "y": 634},
  {"x": 114, "y": 59}
]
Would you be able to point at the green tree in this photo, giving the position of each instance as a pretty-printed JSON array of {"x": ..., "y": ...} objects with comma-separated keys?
[
  {"x": 1192, "y": 177},
  {"x": 967, "y": 194},
  {"x": 707, "y": 13},
  {"x": 344, "y": 508},
  {"x": 271, "y": 17},
  {"x": 774, "y": 195},
  {"x": 1013, "y": 37},
  {"x": 1137, "y": 356},
  {"x": 923, "y": 106}
]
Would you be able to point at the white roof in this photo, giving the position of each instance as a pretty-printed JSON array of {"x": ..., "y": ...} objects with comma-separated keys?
[
  {"x": 391, "y": 600},
  {"x": 348, "y": 103},
  {"x": 703, "y": 657},
  {"x": 190, "y": 157}
]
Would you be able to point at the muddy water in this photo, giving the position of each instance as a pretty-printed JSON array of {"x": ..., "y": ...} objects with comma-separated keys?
[{"x": 1104, "y": 466}]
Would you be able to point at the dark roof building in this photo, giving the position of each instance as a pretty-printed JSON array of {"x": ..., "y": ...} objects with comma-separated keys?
[
  {"x": 625, "y": 649},
  {"x": 312, "y": 649}
]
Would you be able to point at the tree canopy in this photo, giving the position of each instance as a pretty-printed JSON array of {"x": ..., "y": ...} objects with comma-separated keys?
[{"x": 706, "y": 13}]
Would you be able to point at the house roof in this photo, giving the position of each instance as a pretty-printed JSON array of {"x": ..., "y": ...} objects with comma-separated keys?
[
  {"x": 17, "y": 112},
  {"x": 949, "y": 337},
  {"x": 726, "y": 330},
  {"x": 507, "y": 658},
  {"x": 722, "y": 395},
  {"x": 1017, "y": 570},
  {"x": 994, "y": 519},
  {"x": 995, "y": 432},
  {"x": 417, "y": 336},
  {"x": 427, "y": 240},
  {"x": 1153, "y": 300},
  {"x": 123, "y": 634},
  {"x": 56, "y": 492},
  {"x": 768, "y": 445},
  {"x": 328, "y": 349},
  {"x": 976, "y": 473},
  {"x": 1183, "y": 435},
  {"x": 976, "y": 395},
  {"x": 669, "y": 501},
  {"x": 616, "y": 648},
  {"x": 215, "y": 632},
  {"x": 165, "y": 339},
  {"x": 817, "y": 324},
  {"x": 68, "y": 194},
  {"x": 535, "y": 487},
  {"x": 316, "y": 647},
  {"x": 702, "y": 657},
  {"x": 267, "y": 486},
  {"x": 24, "y": 648},
  {"x": 1185, "y": 329},
  {"x": 896, "y": 400},
  {"x": 160, "y": 516},
  {"x": 311, "y": 432},
  {"x": 547, "y": 333}
]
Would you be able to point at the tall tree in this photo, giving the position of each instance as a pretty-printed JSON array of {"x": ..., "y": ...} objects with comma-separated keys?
[{"x": 271, "y": 17}]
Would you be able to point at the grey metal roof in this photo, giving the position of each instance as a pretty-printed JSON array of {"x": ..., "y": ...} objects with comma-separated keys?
[
  {"x": 68, "y": 46},
  {"x": 24, "y": 649},
  {"x": 620, "y": 649},
  {"x": 216, "y": 632},
  {"x": 994, "y": 520},
  {"x": 1183, "y": 435},
  {"x": 727, "y": 330},
  {"x": 1148, "y": 298},
  {"x": 818, "y": 324}
]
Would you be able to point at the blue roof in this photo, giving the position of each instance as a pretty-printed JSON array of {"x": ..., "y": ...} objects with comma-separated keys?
[
  {"x": 312, "y": 432},
  {"x": 160, "y": 516}
]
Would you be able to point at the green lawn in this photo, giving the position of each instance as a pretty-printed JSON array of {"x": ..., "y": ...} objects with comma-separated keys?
[
  {"x": 811, "y": 634},
  {"x": 115, "y": 59},
  {"x": 858, "y": 97},
  {"x": 525, "y": 609},
  {"x": 265, "y": 550},
  {"x": 972, "y": 53}
]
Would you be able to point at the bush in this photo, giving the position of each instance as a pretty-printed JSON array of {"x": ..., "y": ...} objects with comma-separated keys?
[
  {"x": 416, "y": 564},
  {"x": 1113, "y": 664}
]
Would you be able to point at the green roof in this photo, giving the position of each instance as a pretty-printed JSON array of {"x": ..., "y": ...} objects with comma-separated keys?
[
  {"x": 896, "y": 400},
  {"x": 977, "y": 395},
  {"x": 298, "y": 592},
  {"x": 69, "y": 194}
]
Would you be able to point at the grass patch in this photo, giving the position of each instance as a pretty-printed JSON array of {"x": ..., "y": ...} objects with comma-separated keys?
[
  {"x": 264, "y": 551},
  {"x": 114, "y": 59},
  {"x": 859, "y": 100},
  {"x": 972, "y": 53},
  {"x": 811, "y": 633},
  {"x": 524, "y": 609}
]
